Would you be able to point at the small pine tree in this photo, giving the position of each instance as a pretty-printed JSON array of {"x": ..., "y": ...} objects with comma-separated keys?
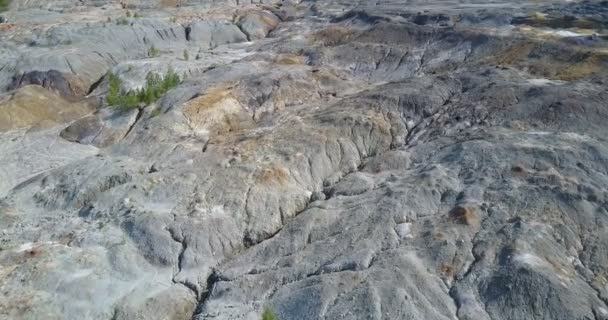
[
  {"x": 170, "y": 80},
  {"x": 150, "y": 95},
  {"x": 152, "y": 80},
  {"x": 130, "y": 101},
  {"x": 268, "y": 314},
  {"x": 154, "y": 88},
  {"x": 114, "y": 84}
]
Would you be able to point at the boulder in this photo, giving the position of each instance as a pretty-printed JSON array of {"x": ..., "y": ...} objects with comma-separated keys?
[
  {"x": 257, "y": 24},
  {"x": 104, "y": 128},
  {"x": 210, "y": 34},
  {"x": 66, "y": 85}
]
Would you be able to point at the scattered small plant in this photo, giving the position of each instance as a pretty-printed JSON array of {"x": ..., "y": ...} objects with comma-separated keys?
[
  {"x": 186, "y": 55},
  {"x": 128, "y": 14},
  {"x": 268, "y": 314},
  {"x": 155, "y": 113},
  {"x": 122, "y": 21},
  {"x": 153, "y": 89},
  {"x": 4, "y": 5},
  {"x": 173, "y": 19},
  {"x": 153, "y": 52}
]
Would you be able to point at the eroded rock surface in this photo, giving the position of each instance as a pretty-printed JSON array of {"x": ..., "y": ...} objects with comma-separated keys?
[{"x": 324, "y": 159}]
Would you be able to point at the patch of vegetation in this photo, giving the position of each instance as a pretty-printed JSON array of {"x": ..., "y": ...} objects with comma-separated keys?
[
  {"x": 134, "y": 14},
  {"x": 4, "y": 5},
  {"x": 154, "y": 88},
  {"x": 155, "y": 113},
  {"x": 268, "y": 314},
  {"x": 186, "y": 55},
  {"x": 153, "y": 52},
  {"x": 122, "y": 21}
]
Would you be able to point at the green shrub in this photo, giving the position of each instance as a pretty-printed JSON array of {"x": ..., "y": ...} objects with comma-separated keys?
[
  {"x": 155, "y": 113},
  {"x": 114, "y": 92},
  {"x": 268, "y": 314},
  {"x": 128, "y": 14},
  {"x": 153, "y": 52},
  {"x": 153, "y": 89},
  {"x": 186, "y": 55},
  {"x": 122, "y": 21},
  {"x": 4, "y": 5}
]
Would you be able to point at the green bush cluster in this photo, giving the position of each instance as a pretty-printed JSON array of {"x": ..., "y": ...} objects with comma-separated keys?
[
  {"x": 154, "y": 88},
  {"x": 268, "y": 314},
  {"x": 4, "y": 5}
]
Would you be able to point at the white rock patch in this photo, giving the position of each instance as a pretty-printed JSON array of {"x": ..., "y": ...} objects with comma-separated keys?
[
  {"x": 530, "y": 260},
  {"x": 404, "y": 230}
]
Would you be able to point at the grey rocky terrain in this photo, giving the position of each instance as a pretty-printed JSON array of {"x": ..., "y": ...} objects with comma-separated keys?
[{"x": 324, "y": 159}]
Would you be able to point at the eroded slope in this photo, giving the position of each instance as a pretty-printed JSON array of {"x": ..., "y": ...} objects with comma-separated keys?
[{"x": 325, "y": 159}]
